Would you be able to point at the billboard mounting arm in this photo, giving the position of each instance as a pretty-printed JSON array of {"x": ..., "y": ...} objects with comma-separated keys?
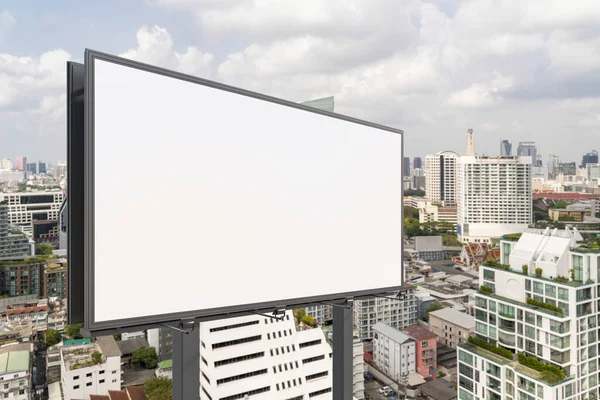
[
  {"x": 274, "y": 315},
  {"x": 347, "y": 303}
]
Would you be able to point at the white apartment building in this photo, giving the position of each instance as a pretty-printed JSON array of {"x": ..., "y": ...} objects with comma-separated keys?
[
  {"x": 24, "y": 208},
  {"x": 320, "y": 312},
  {"x": 544, "y": 302},
  {"x": 15, "y": 371},
  {"x": 358, "y": 369},
  {"x": 6, "y": 164},
  {"x": 494, "y": 197},
  {"x": 429, "y": 212},
  {"x": 82, "y": 377},
  {"x": 393, "y": 351},
  {"x": 399, "y": 314},
  {"x": 440, "y": 177},
  {"x": 265, "y": 359}
]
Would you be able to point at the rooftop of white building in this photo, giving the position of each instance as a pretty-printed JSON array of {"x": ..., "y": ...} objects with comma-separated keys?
[
  {"x": 392, "y": 333},
  {"x": 455, "y": 317}
]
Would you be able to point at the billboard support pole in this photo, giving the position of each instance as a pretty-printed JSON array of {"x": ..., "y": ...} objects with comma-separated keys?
[
  {"x": 186, "y": 360},
  {"x": 342, "y": 350}
]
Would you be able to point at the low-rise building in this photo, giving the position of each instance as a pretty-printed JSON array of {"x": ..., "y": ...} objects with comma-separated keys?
[
  {"x": 393, "y": 351},
  {"x": 425, "y": 350},
  {"x": 451, "y": 326},
  {"x": 398, "y": 314},
  {"x": 37, "y": 316},
  {"x": 15, "y": 371},
  {"x": 90, "y": 369}
]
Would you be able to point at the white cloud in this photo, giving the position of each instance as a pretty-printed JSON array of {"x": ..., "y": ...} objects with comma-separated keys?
[
  {"x": 7, "y": 23},
  {"x": 155, "y": 46},
  {"x": 480, "y": 95}
]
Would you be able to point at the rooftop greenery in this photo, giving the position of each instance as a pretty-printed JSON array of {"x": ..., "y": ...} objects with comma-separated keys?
[
  {"x": 512, "y": 236},
  {"x": 547, "y": 306},
  {"x": 29, "y": 260},
  {"x": 490, "y": 347},
  {"x": 549, "y": 372}
]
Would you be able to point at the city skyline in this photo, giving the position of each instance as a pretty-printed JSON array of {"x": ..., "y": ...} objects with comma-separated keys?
[{"x": 525, "y": 75}]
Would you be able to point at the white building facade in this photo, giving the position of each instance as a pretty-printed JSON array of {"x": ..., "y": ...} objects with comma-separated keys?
[
  {"x": 265, "y": 359},
  {"x": 542, "y": 301},
  {"x": 393, "y": 351},
  {"x": 399, "y": 314},
  {"x": 26, "y": 207},
  {"x": 494, "y": 197},
  {"x": 80, "y": 378},
  {"x": 440, "y": 177}
]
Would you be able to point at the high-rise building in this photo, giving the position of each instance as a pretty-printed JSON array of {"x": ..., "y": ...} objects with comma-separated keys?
[
  {"x": 536, "y": 322},
  {"x": 406, "y": 166},
  {"x": 35, "y": 212},
  {"x": 21, "y": 163},
  {"x": 21, "y": 279},
  {"x": 589, "y": 158},
  {"x": 399, "y": 314},
  {"x": 505, "y": 148},
  {"x": 417, "y": 163},
  {"x": 36, "y": 168},
  {"x": 565, "y": 168},
  {"x": 494, "y": 197},
  {"x": 162, "y": 341},
  {"x": 440, "y": 177},
  {"x": 592, "y": 172},
  {"x": 470, "y": 143},
  {"x": 528, "y": 149},
  {"x": 264, "y": 358},
  {"x": 5, "y": 164},
  {"x": 41, "y": 167},
  {"x": 13, "y": 246}
]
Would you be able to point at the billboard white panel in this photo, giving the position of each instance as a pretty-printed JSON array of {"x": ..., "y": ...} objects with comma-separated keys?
[{"x": 207, "y": 199}]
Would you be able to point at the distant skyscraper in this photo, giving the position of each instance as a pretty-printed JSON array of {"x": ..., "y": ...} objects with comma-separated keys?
[
  {"x": 494, "y": 197},
  {"x": 406, "y": 166},
  {"x": 32, "y": 167},
  {"x": 440, "y": 177},
  {"x": 505, "y": 148},
  {"x": 41, "y": 167},
  {"x": 417, "y": 162},
  {"x": 22, "y": 163},
  {"x": 589, "y": 158},
  {"x": 528, "y": 149},
  {"x": 5, "y": 164},
  {"x": 470, "y": 143}
]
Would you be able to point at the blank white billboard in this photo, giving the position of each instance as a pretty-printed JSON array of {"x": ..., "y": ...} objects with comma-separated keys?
[{"x": 205, "y": 199}]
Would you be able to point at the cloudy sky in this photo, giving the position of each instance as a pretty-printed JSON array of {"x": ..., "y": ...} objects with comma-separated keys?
[{"x": 517, "y": 70}]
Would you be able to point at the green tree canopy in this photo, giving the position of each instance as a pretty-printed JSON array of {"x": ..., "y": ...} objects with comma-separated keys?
[
  {"x": 411, "y": 212},
  {"x": 310, "y": 321},
  {"x": 43, "y": 249},
  {"x": 146, "y": 356},
  {"x": 73, "y": 331},
  {"x": 560, "y": 204},
  {"x": 159, "y": 389},
  {"x": 299, "y": 314},
  {"x": 52, "y": 337},
  {"x": 414, "y": 192},
  {"x": 436, "y": 305}
]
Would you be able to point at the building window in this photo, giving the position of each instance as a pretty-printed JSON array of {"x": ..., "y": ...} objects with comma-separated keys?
[
  {"x": 74, "y": 388},
  {"x": 76, "y": 377},
  {"x": 88, "y": 375},
  {"x": 101, "y": 381},
  {"x": 88, "y": 384},
  {"x": 101, "y": 372}
]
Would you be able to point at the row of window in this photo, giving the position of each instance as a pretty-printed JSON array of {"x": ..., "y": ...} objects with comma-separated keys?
[
  {"x": 250, "y": 393},
  {"x": 241, "y": 376},
  {"x": 88, "y": 375},
  {"x": 100, "y": 382},
  {"x": 236, "y": 359},
  {"x": 285, "y": 333},
  {"x": 282, "y": 350},
  {"x": 311, "y": 343},
  {"x": 289, "y": 384},
  {"x": 285, "y": 366},
  {"x": 273, "y": 320},
  {"x": 236, "y": 341},
  {"x": 227, "y": 327}
]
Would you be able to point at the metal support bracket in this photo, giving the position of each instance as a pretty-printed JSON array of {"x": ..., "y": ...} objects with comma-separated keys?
[
  {"x": 346, "y": 304},
  {"x": 180, "y": 326},
  {"x": 399, "y": 297},
  {"x": 274, "y": 315}
]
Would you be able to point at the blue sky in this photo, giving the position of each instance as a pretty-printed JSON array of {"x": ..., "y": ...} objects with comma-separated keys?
[{"x": 509, "y": 70}]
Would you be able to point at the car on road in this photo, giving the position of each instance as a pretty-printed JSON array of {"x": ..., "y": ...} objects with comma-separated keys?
[{"x": 385, "y": 390}]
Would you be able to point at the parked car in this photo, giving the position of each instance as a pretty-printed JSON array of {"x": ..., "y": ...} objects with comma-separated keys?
[{"x": 385, "y": 390}]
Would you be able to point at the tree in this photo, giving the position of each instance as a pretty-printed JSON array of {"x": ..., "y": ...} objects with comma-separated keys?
[
  {"x": 73, "y": 331},
  {"x": 299, "y": 314},
  {"x": 560, "y": 204},
  {"x": 146, "y": 356},
  {"x": 411, "y": 212},
  {"x": 159, "y": 389},
  {"x": 436, "y": 305},
  {"x": 52, "y": 337},
  {"x": 310, "y": 321},
  {"x": 414, "y": 192},
  {"x": 96, "y": 357},
  {"x": 117, "y": 337},
  {"x": 43, "y": 249}
]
